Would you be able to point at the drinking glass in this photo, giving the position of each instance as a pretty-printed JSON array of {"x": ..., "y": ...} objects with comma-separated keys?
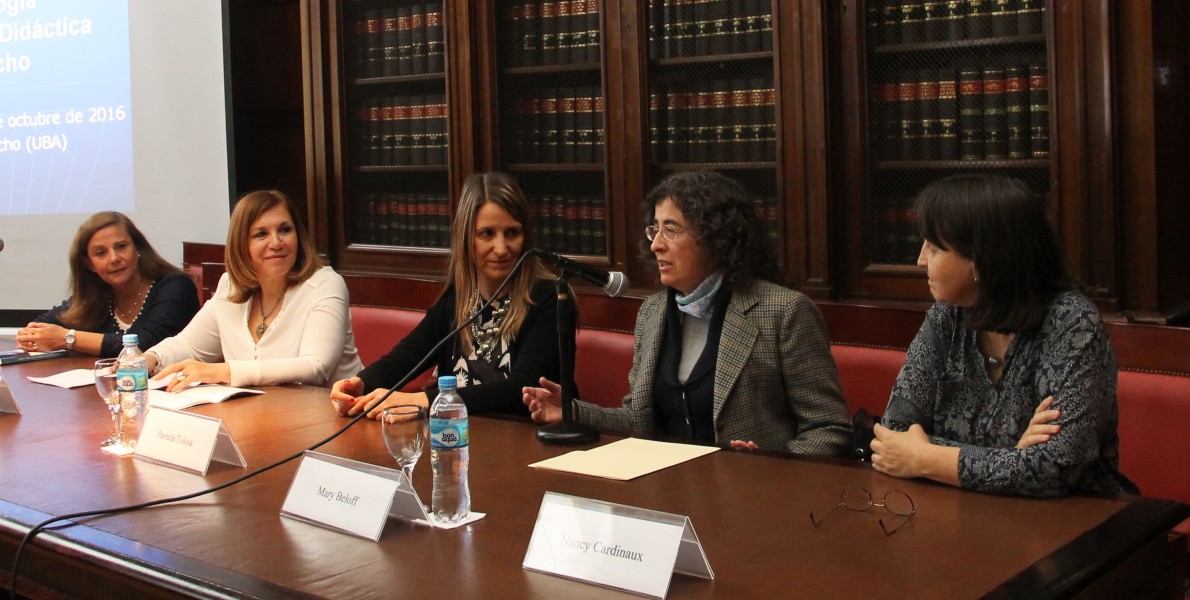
[
  {"x": 105, "y": 384},
  {"x": 406, "y": 428}
]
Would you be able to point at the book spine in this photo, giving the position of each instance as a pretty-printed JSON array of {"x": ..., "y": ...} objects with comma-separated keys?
[
  {"x": 890, "y": 19},
  {"x": 375, "y": 134},
  {"x": 537, "y": 133},
  {"x": 948, "y": 113},
  {"x": 550, "y": 125},
  {"x": 910, "y": 120},
  {"x": 597, "y": 144},
  {"x": 574, "y": 226},
  {"x": 979, "y": 18},
  {"x": 1030, "y": 17},
  {"x": 586, "y": 230},
  {"x": 1004, "y": 18},
  {"x": 970, "y": 114},
  {"x": 995, "y": 125},
  {"x": 756, "y": 121},
  {"x": 599, "y": 222},
  {"x": 912, "y": 21},
  {"x": 388, "y": 132},
  {"x": 933, "y": 21},
  {"x": 754, "y": 24},
  {"x": 738, "y": 31},
  {"x": 721, "y": 138},
  {"x": 374, "y": 53},
  {"x": 740, "y": 133},
  {"x": 435, "y": 39},
  {"x": 700, "y": 28},
  {"x": 437, "y": 127},
  {"x": 594, "y": 32},
  {"x": 954, "y": 20},
  {"x": 1016, "y": 106},
  {"x": 769, "y": 150},
  {"x": 890, "y": 127},
  {"x": 530, "y": 34},
  {"x": 657, "y": 129},
  {"x": 928, "y": 92},
  {"x": 584, "y": 125},
  {"x": 568, "y": 37},
  {"x": 390, "y": 58},
  {"x": 560, "y": 225},
  {"x": 548, "y": 11},
  {"x": 363, "y": 225},
  {"x": 417, "y": 136},
  {"x": 403, "y": 235},
  {"x": 383, "y": 223},
  {"x": 766, "y": 26},
  {"x": 402, "y": 132},
  {"x": 666, "y": 29},
  {"x": 417, "y": 39},
  {"x": 872, "y": 22},
  {"x": 675, "y": 121},
  {"x": 700, "y": 129},
  {"x": 443, "y": 204},
  {"x": 653, "y": 31},
  {"x": 404, "y": 41},
  {"x": 567, "y": 137},
  {"x": 512, "y": 32},
  {"x": 1039, "y": 111},
  {"x": 721, "y": 28}
]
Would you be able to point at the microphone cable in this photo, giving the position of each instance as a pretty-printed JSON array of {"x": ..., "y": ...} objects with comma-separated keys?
[{"x": 421, "y": 365}]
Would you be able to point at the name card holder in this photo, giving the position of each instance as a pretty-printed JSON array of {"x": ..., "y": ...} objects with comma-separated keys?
[
  {"x": 186, "y": 441},
  {"x": 615, "y": 546},
  {"x": 350, "y": 496},
  {"x": 8, "y": 402}
]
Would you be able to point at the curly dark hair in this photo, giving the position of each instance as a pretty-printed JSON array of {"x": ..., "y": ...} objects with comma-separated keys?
[{"x": 723, "y": 219}]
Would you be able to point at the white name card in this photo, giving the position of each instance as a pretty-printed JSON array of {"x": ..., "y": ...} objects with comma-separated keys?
[
  {"x": 8, "y": 402},
  {"x": 186, "y": 441},
  {"x": 349, "y": 496},
  {"x": 612, "y": 545}
]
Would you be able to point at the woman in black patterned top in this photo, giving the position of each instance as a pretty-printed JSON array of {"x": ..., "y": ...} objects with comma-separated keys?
[{"x": 1010, "y": 385}]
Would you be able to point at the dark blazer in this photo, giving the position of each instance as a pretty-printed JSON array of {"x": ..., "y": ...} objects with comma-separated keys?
[{"x": 775, "y": 380}]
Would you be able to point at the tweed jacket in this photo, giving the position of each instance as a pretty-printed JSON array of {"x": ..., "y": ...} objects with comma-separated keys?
[{"x": 775, "y": 380}]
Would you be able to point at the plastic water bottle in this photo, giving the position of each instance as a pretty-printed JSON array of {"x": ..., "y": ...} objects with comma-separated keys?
[
  {"x": 132, "y": 383},
  {"x": 449, "y": 447}
]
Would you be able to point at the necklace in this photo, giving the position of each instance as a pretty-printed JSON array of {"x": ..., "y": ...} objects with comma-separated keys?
[
  {"x": 141, "y": 295},
  {"x": 260, "y": 329},
  {"x": 486, "y": 336},
  {"x": 993, "y": 361}
]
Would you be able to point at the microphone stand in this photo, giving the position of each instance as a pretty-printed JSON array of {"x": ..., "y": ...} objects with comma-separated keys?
[{"x": 566, "y": 432}]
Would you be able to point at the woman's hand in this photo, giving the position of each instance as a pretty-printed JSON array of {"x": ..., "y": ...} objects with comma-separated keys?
[
  {"x": 182, "y": 374},
  {"x": 545, "y": 402},
  {"x": 743, "y": 445},
  {"x": 343, "y": 394},
  {"x": 910, "y": 454},
  {"x": 41, "y": 337},
  {"x": 1040, "y": 428},
  {"x": 375, "y": 409}
]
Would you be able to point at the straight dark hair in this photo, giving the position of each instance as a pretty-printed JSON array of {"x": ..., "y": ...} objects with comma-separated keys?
[{"x": 1001, "y": 225}]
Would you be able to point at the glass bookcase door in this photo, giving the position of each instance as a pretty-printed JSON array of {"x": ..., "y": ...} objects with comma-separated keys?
[
  {"x": 945, "y": 88},
  {"x": 711, "y": 96},
  {"x": 394, "y": 129},
  {"x": 551, "y": 118}
]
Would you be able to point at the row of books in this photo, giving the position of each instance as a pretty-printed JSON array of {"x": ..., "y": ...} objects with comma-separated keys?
[
  {"x": 894, "y": 238},
  {"x": 708, "y": 27},
  {"x": 715, "y": 121},
  {"x": 399, "y": 41},
  {"x": 557, "y": 125},
  {"x": 401, "y": 219},
  {"x": 971, "y": 113},
  {"x": 913, "y": 21},
  {"x": 570, "y": 223},
  {"x": 548, "y": 32},
  {"x": 402, "y": 130}
]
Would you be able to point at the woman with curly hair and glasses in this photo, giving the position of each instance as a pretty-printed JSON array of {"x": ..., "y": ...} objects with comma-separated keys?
[
  {"x": 724, "y": 354},
  {"x": 1010, "y": 385}
]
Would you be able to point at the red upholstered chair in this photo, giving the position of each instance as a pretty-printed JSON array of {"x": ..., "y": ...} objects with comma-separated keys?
[
  {"x": 1154, "y": 447},
  {"x": 378, "y": 329},
  {"x": 867, "y": 375},
  {"x": 601, "y": 364}
]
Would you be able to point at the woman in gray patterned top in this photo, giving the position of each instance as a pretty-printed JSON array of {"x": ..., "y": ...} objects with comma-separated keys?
[
  {"x": 723, "y": 355},
  {"x": 1010, "y": 385}
]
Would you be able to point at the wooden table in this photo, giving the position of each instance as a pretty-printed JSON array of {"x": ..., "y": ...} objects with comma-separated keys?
[{"x": 750, "y": 511}]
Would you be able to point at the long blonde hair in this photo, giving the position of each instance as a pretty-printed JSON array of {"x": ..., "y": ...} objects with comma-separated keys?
[{"x": 503, "y": 191}]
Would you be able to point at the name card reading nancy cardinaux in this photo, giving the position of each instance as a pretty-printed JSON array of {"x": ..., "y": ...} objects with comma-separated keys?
[{"x": 612, "y": 545}]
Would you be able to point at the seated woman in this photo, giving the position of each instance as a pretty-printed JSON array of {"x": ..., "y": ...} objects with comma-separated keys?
[
  {"x": 278, "y": 315},
  {"x": 723, "y": 354},
  {"x": 1010, "y": 385},
  {"x": 513, "y": 343},
  {"x": 118, "y": 284}
]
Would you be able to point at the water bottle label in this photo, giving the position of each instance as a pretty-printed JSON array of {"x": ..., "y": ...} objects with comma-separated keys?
[
  {"x": 448, "y": 433},
  {"x": 132, "y": 380}
]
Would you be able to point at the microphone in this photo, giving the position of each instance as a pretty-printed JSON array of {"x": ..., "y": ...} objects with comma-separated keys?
[
  {"x": 613, "y": 283},
  {"x": 1, "y": 245}
]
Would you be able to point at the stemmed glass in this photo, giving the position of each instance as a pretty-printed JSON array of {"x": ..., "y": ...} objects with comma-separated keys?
[
  {"x": 406, "y": 428},
  {"x": 105, "y": 384}
]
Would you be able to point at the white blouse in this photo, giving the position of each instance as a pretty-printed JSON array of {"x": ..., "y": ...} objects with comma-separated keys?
[{"x": 310, "y": 341}]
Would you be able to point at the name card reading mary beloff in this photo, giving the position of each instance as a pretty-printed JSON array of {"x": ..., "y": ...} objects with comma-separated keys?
[
  {"x": 342, "y": 494},
  {"x": 612, "y": 545}
]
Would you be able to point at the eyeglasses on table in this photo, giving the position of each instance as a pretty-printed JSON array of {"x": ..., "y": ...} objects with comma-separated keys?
[{"x": 857, "y": 499}]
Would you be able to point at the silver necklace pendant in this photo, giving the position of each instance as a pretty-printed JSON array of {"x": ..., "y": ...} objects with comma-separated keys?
[
  {"x": 994, "y": 361},
  {"x": 260, "y": 329}
]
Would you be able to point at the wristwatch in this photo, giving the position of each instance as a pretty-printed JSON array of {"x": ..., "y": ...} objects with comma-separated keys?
[{"x": 70, "y": 340}]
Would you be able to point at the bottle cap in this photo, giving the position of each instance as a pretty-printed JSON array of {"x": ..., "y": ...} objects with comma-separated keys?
[
  {"x": 131, "y": 338},
  {"x": 447, "y": 382}
]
